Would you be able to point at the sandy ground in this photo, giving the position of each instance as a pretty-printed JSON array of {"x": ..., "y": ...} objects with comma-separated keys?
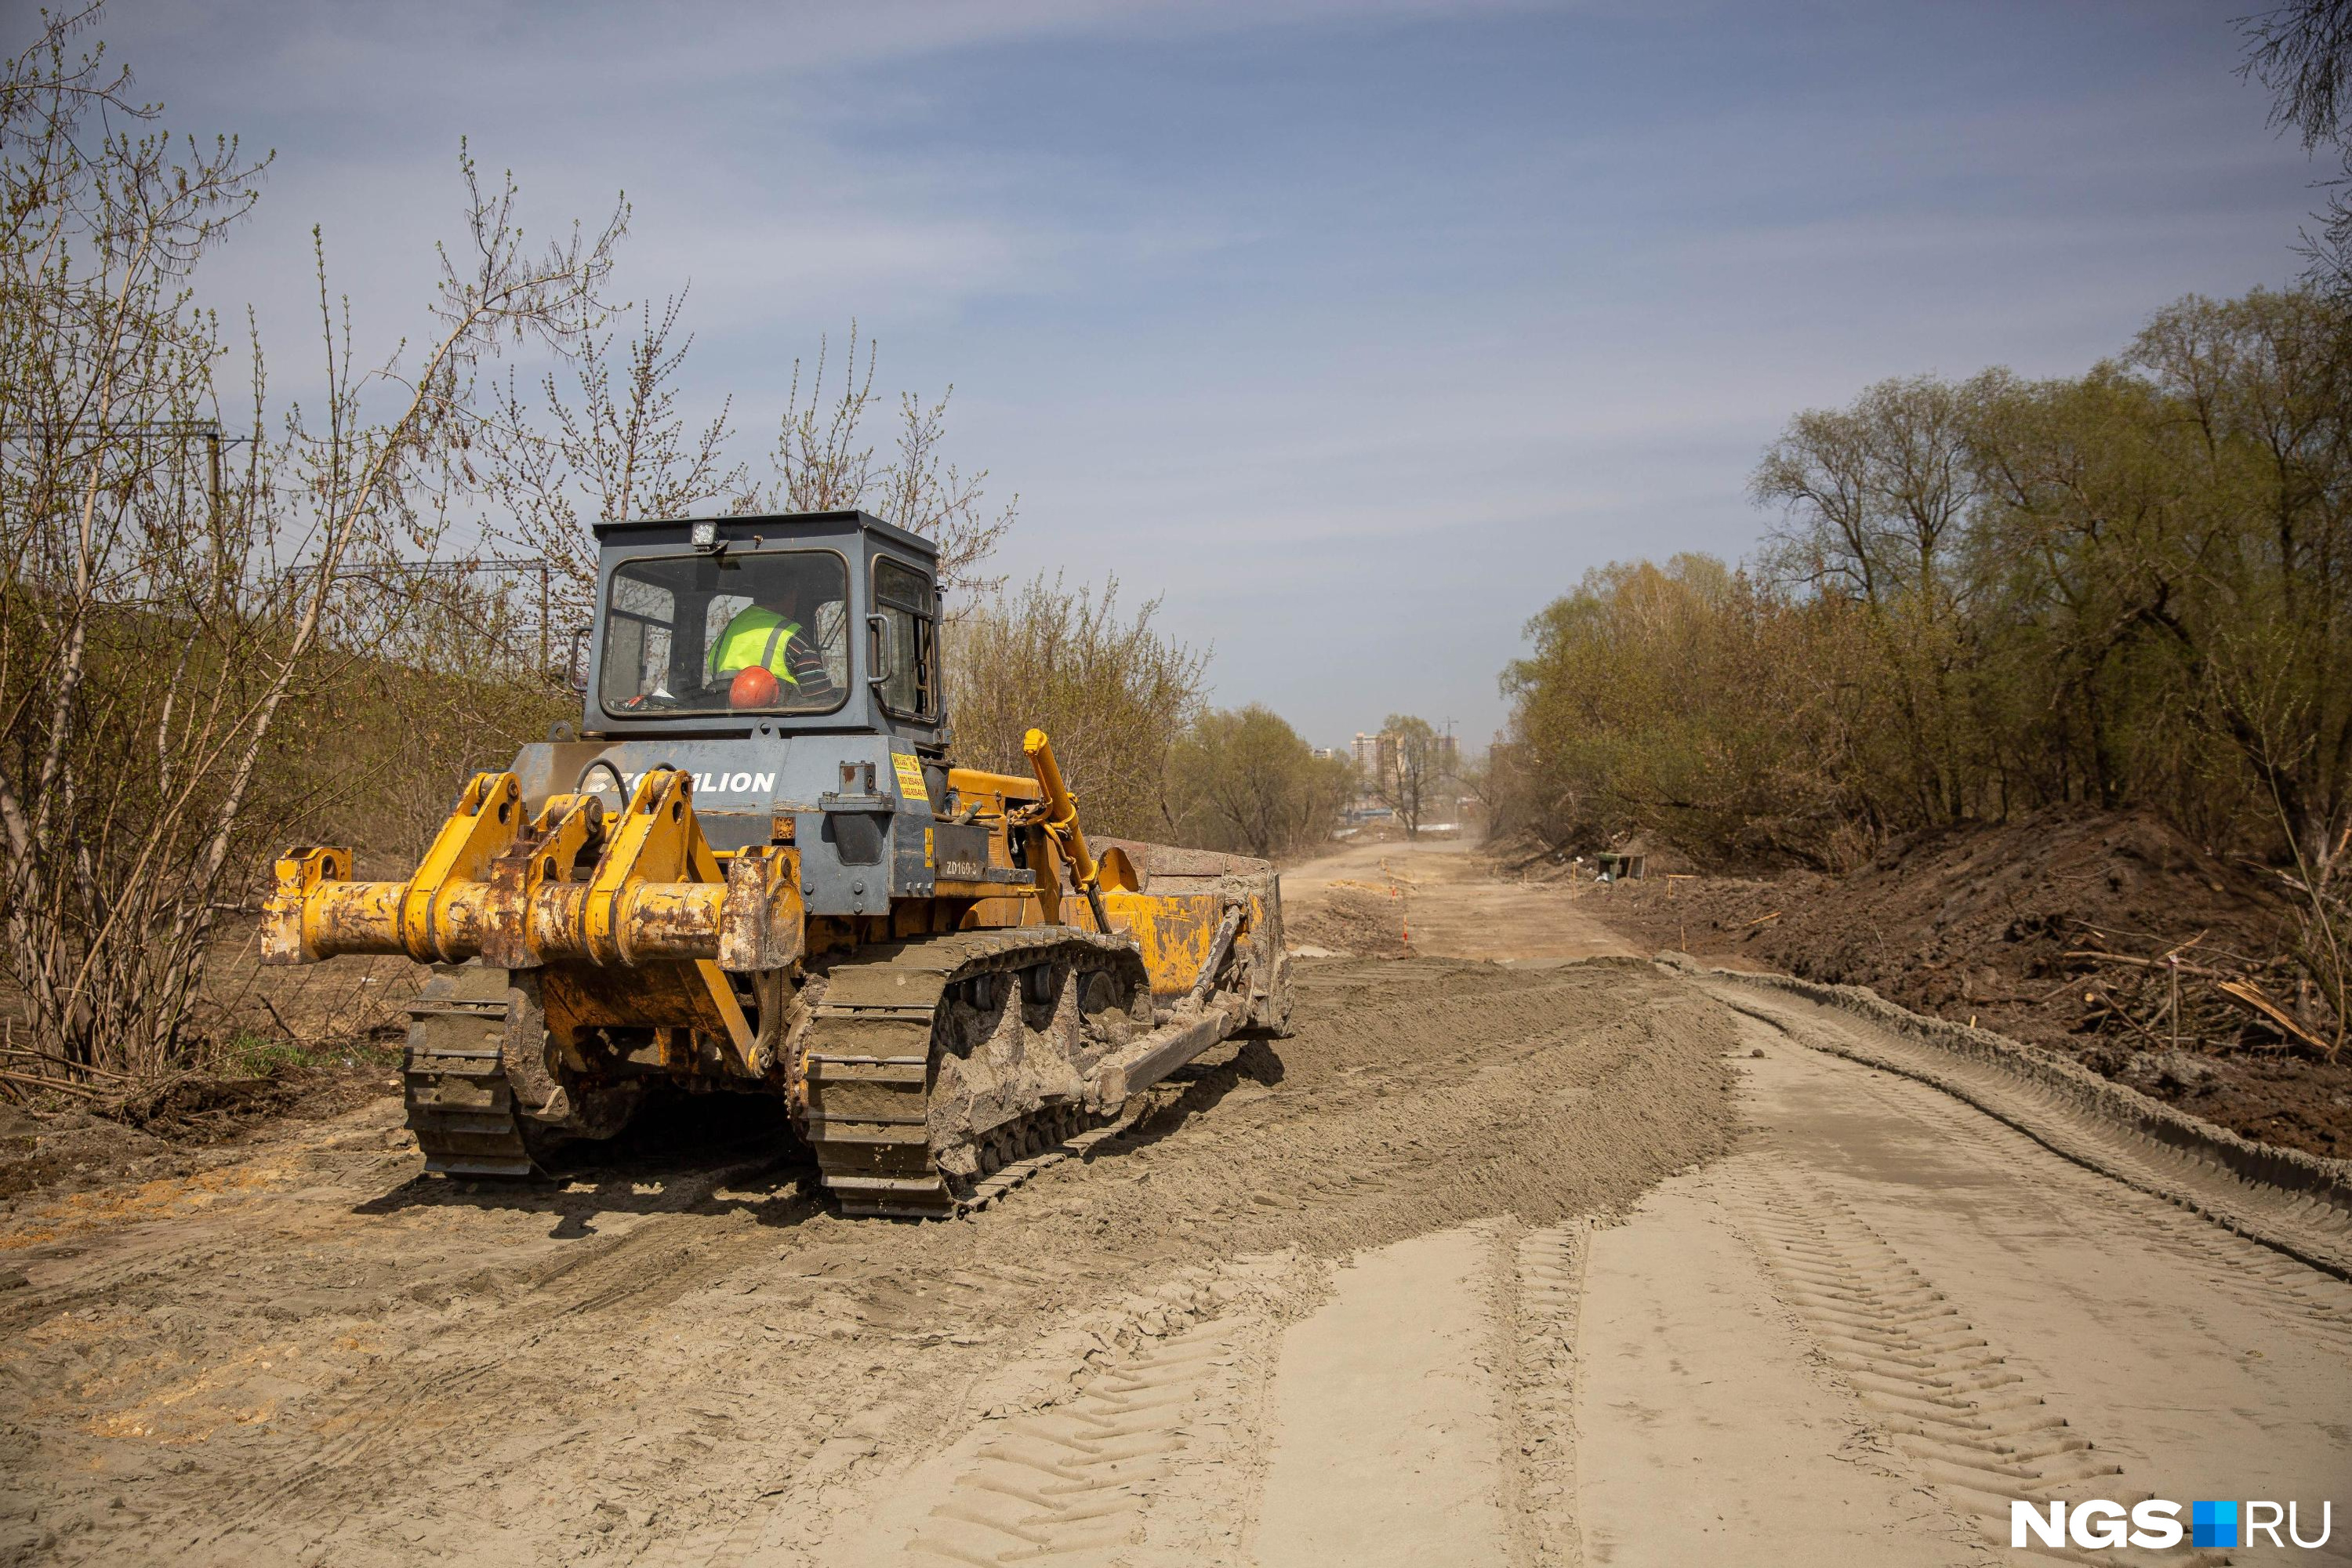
[
  {"x": 1529, "y": 1263},
  {"x": 1451, "y": 908}
]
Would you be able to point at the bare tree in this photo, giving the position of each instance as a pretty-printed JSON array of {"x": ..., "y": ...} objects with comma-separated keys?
[
  {"x": 611, "y": 444},
  {"x": 151, "y": 629},
  {"x": 2302, "y": 51},
  {"x": 1410, "y": 769},
  {"x": 605, "y": 438},
  {"x": 1113, "y": 690},
  {"x": 825, "y": 462}
]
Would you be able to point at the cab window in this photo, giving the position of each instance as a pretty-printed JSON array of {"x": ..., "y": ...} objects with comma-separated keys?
[
  {"x": 906, "y": 613},
  {"x": 680, "y": 630}
]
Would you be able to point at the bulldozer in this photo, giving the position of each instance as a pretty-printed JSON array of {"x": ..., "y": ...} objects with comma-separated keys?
[{"x": 752, "y": 866}]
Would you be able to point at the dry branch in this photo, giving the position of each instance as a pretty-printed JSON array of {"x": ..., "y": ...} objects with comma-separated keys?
[
  {"x": 2157, "y": 963},
  {"x": 33, "y": 1080},
  {"x": 63, "y": 1062},
  {"x": 2249, "y": 994}
]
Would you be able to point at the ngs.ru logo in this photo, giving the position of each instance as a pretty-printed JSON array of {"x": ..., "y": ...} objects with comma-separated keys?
[{"x": 2154, "y": 1525}]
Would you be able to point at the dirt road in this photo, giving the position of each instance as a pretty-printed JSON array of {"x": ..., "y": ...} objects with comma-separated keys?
[
  {"x": 1511, "y": 1264},
  {"x": 1451, "y": 907}
]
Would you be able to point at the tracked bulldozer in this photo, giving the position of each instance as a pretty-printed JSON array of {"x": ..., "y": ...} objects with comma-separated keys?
[{"x": 753, "y": 867}]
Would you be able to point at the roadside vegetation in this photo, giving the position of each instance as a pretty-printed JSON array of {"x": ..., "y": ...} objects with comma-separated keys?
[
  {"x": 1114, "y": 690},
  {"x": 1245, "y": 782},
  {"x": 2125, "y": 591},
  {"x": 2124, "y": 594},
  {"x": 184, "y": 573},
  {"x": 1980, "y": 597}
]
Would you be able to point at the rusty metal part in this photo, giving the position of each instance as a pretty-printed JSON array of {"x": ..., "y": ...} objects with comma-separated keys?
[
  {"x": 289, "y": 932},
  {"x": 487, "y": 818},
  {"x": 547, "y": 925},
  {"x": 1181, "y": 899},
  {"x": 1218, "y": 947},
  {"x": 506, "y": 892},
  {"x": 510, "y": 892},
  {"x": 541, "y": 860},
  {"x": 1159, "y": 1053},
  {"x": 760, "y": 918}
]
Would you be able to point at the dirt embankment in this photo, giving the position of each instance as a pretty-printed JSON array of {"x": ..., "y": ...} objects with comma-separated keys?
[
  {"x": 1987, "y": 923},
  {"x": 184, "y": 1125},
  {"x": 1356, "y": 921}
]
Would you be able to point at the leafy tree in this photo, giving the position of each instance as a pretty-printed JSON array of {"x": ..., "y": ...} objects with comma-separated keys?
[
  {"x": 1244, "y": 781},
  {"x": 1697, "y": 704},
  {"x": 2133, "y": 586},
  {"x": 1113, "y": 690},
  {"x": 1875, "y": 498}
]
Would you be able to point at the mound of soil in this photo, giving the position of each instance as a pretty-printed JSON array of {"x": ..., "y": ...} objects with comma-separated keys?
[
  {"x": 1976, "y": 922},
  {"x": 1348, "y": 922}
]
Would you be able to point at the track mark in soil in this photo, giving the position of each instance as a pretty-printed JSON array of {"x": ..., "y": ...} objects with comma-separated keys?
[
  {"x": 2254, "y": 1276},
  {"x": 2072, "y": 1120},
  {"x": 1546, "y": 1290},
  {"x": 1072, "y": 1483},
  {"x": 1941, "y": 1391}
]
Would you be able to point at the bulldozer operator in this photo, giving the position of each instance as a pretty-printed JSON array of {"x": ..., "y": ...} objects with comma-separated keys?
[{"x": 765, "y": 649}]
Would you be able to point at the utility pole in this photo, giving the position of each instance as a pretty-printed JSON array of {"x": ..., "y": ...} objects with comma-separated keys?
[{"x": 208, "y": 431}]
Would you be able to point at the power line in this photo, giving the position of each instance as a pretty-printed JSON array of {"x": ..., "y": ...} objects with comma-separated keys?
[{"x": 206, "y": 430}]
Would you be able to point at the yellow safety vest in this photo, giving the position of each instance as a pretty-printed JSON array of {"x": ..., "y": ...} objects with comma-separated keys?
[{"x": 755, "y": 636}]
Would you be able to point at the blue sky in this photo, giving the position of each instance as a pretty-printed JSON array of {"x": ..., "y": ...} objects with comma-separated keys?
[{"x": 1353, "y": 332}]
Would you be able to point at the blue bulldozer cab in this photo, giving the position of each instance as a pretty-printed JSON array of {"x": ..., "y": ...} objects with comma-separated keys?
[
  {"x": 862, "y": 592},
  {"x": 847, "y": 759}
]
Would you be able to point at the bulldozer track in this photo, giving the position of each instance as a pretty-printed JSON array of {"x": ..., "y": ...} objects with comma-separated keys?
[
  {"x": 2256, "y": 1276},
  {"x": 1545, "y": 1287},
  {"x": 870, "y": 1063},
  {"x": 454, "y": 1083},
  {"x": 879, "y": 1011}
]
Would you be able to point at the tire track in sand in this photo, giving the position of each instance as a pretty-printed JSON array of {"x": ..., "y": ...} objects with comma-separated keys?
[
  {"x": 1944, "y": 1394},
  {"x": 1544, "y": 1283},
  {"x": 1072, "y": 1483}
]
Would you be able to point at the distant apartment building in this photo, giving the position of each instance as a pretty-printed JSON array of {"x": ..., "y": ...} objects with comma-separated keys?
[{"x": 1376, "y": 755}]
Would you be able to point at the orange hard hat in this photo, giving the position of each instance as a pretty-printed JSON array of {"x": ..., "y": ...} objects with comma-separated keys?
[{"x": 754, "y": 688}]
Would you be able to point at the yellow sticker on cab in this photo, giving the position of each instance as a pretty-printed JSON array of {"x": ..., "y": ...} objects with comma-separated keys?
[{"x": 910, "y": 776}]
